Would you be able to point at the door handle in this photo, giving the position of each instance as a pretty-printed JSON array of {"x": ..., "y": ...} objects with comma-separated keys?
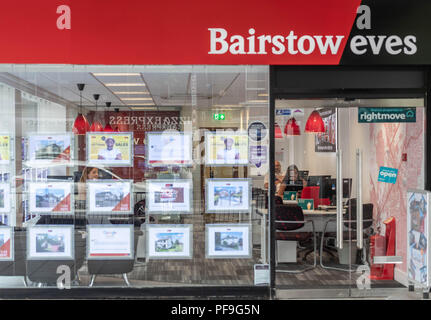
[
  {"x": 339, "y": 238},
  {"x": 359, "y": 207}
]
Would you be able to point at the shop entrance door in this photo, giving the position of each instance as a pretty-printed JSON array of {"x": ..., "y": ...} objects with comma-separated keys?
[{"x": 358, "y": 172}]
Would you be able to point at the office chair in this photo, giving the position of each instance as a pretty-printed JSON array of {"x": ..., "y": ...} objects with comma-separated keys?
[
  {"x": 44, "y": 272},
  {"x": 350, "y": 225},
  {"x": 17, "y": 267},
  {"x": 290, "y": 218},
  {"x": 311, "y": 193}
]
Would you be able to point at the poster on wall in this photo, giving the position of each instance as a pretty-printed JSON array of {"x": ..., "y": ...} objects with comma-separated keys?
[
  {"x": 227, "y": 241},
  {"x": 169, "y": 241},
  {"x": 417, "y": 236},
  {"x": 169, "y": 196},
  {"x": 49, "y": 148},
  {"x": 109, "y": 196},
  {"x": 258, "y": 155},
  {"x": 327, "y": 141},
  {"x": 226, "y": 148},
  {"x": 6, "y": 244},
  {"x": 5, "y": 197},
  {"x": 110, "y": 242},
  {"x": 50, "y": 197},
  {"x": 169, "y": 148},
  {"x": 110, "y": 149},
  {"x": 228, "y": 195},
  {"x": 50, "y": 242},
  {"x": 6, "y": 148},
  {"x": 257, "y": 131}
]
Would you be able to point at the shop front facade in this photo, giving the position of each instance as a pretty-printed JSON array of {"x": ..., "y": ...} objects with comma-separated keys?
[{"x": 152, "y": 150}]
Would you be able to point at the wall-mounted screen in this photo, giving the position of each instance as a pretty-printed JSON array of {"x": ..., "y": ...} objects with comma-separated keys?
[
  {"x": 110, "y": 149},
  {"x": 169, "y": 241},
  {"x": 228, "y": 195},
  {"x": 50, "y": 242},
  {"x": 222, "y": 148},
  {"x": 228, "y": 241},
  {"x": 49, "y": 148},
  {"x": 50, "y": 197},
  {"x": 109, "y": 196},
  {"x": 169, "y": 196},
  {"x": 169, "y": 149},
  {"x": 110, "y": 242}
]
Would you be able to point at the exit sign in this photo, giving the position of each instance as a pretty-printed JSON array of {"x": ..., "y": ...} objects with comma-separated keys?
[{"x": 219, "y": 116}]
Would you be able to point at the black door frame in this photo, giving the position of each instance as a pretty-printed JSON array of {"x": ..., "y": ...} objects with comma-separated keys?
[{"x": 422, "y": 89}]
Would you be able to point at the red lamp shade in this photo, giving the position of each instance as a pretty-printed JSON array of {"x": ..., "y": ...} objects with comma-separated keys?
[
  {"x": 81, "y": 125},
  {"x": 292, "y": 128},
  {"x": 96, "y": 127},
  {"x": 315, "y": 123},
  {"x": 108, "y": 128},
  {"x": 277, "y": 131}
]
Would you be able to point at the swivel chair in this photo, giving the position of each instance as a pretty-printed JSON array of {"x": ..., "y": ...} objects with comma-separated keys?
[{"x": 290, "y": 218}]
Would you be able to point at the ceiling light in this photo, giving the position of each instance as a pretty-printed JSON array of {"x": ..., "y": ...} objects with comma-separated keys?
[
  {"x": 115, "y": 74},
  {"x": 125, "y": 84},
  {"x": 141, "y": 104},
  {"x": 315, "y": 123},
  {"x": 143, "y": 108},
  {"x": 130, "y": 92},
  {"x": 257, "y": 101},
  {"x": 81, "y": 125},
  {"x": 262, "y": 95},
  {"x": 136, "y": 99}
]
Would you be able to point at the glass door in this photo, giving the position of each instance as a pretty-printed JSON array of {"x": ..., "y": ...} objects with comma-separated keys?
[{"x": 363, "y": 162}]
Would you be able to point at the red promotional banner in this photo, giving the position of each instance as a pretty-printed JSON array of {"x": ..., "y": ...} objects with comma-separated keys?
[{"x": 176, "y": 32}]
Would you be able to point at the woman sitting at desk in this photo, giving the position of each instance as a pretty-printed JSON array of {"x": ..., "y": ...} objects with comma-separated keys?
[{"x": 292, "y": 178}]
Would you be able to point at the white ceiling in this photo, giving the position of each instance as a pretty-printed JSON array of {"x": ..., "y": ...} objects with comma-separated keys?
[{"x": 224, "y": 87}]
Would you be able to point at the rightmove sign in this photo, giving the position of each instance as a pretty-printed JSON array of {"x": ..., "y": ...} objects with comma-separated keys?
[{"x": 373, "y": 115}]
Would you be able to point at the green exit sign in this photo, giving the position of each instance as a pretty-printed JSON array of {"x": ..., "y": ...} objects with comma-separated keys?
[{"x": 219, "y": 116}]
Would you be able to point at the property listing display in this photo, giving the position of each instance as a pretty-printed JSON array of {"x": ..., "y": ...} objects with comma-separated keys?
[
  {"x": 227, "y": 241},
  {"x": 222, "y": 148},
  {"x": 169, "y": 241},
  {"x": 109, "y": 196},
  {"x": 50, "y": 197},
  {"x": 6, "y": 144},
  {"x": 168, "y": 196},
  {"x": 169, "y": 148},
  {"x": 5, "y": 197},
  {"x": 110, "y": 149},
  {"x": 228, "y": 195},
  {"x": 417, "y": 236},
  {"x": 110, "y": 242},
  {"x": 6, "y": 244},
  {"x": 50, "y": 242},
  {"x": 49, "y": 148}
]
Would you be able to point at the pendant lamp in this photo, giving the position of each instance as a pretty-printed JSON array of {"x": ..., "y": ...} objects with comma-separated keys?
[
  {"x": 277, "y": 131},
  {"x": 315, "y": 123},
  {"x": 291, "y": 128},
  {"x": 96, "y": 126},
  {"x": 108, "y": 127},
  {"x": 81, "y": 124}
]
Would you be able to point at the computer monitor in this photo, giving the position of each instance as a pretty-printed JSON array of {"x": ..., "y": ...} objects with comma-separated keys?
[
  {"x": 303, "y": 174},
  {"x": 293, "y": 187},
  {"x": 347, "y": 189},
  {"x": 324, "y": 182}
]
